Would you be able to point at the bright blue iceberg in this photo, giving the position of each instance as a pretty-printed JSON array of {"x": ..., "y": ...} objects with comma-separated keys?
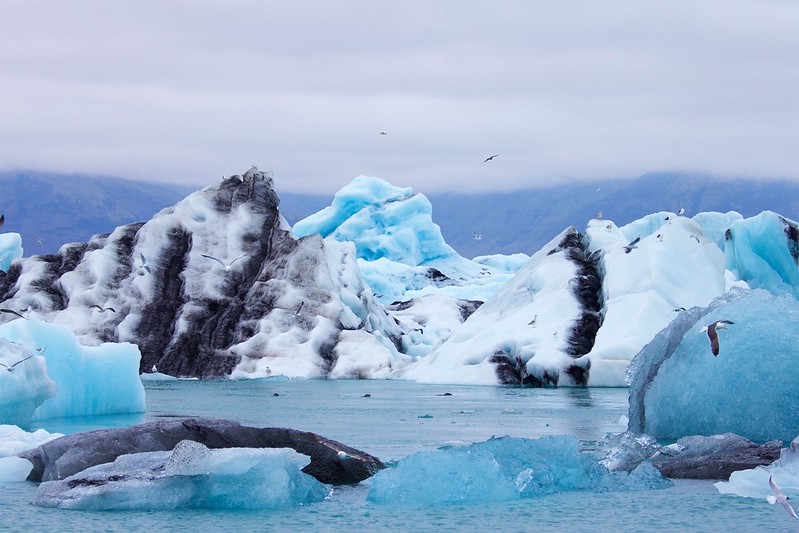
[
  {"x": 764, "y": 252},
  {"x": 189, "y": 477},
  {"x": 678, "y": 388},
  {"x": 502, "y": 469},
  {"x": 10, "y": 249},
  {"x": 89, "y": 380}
]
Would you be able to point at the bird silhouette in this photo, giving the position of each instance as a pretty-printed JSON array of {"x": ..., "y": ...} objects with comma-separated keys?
[
  {"x": 102, "y": 309},
  {"x": 490, "y": 158},
  {"x": 11, "y": 368},
  {"x": 227, "y": 266},
  {"x": 383, "y": 133}
]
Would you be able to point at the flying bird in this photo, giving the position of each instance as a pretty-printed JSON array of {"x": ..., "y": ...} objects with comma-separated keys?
[
  {"x": 533, "y": 321},
  {"x": 491, "y": 157},
  {"x": 677, "y": 310},
  {"x": 598, "y": 215},
  {"x": 383, "y": 133},
  {"x": 144, "y": 264},
  {"x": 11, "y": 368},
  {"x": 297, "y": 312},
  {"x": 102, "y": 309},
  {"x": 780, "y": 497},
  {"x": 478, "y": 236},
  {"x": 632, "y": 246},
  {"x": 12, "y": 312},
  {"x": 692, "y": 236},
  {"x": 713, "y": 334},
  {"x": 228, "y": 266},
  {"x": 681, "y": 212}
]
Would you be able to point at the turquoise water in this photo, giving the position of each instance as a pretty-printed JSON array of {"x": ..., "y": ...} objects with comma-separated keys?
[{"x": 398, "y": 419}]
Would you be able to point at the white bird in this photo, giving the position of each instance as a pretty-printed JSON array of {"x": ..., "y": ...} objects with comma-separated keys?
[
  {"x": 598, "y": 215},
  {"x": 154, "y": 369},
  {"x": 102, "y": 309},
  {"x": 780, "y": 497},
  {"x": 533, "y": 321},
  {"x": 478, "y": 236},
  {"x": 144, "y": 264},
  {"x": 11, "y": 368},
  {"x": 692, "y": 236},
  {"x": 632, "y": 246},
  {"x": 713, "y": 334},
  {"x": 227, "y": 266},
  {"x": 681, "y": 212}
]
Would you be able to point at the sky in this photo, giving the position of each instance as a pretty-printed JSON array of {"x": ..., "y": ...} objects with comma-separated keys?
[{"x": 189, "y": 91}]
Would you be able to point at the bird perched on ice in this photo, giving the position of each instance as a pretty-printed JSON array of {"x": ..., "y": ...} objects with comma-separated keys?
[
  {"x": 780, "y": 497},
  {"x": 632, "y": 246},
  {"x": 598, "y": 215},
  {"x": 713, "y": 334},
  {"x": 490, "y": 158},
  {"x": 12, "y": 312},
  {"x": 11, "y": 368},
  {"x": 227, "y": 266}
]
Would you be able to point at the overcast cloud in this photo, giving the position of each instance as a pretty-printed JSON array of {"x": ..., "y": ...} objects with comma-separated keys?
[{"x": 188, "y": 91}]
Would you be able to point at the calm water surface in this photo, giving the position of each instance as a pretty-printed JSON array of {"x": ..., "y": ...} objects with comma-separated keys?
[{"x": 398, "y": 419}]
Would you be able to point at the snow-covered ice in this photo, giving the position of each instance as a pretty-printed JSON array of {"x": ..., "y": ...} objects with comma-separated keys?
[{"x": 14, "y": 440}]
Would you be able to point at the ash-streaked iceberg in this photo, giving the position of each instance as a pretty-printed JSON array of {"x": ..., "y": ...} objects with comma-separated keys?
[
  {"x": 502, "y": 469},
  {"x": 679, "y": 388},
  {"x": 191, "y": 476}
]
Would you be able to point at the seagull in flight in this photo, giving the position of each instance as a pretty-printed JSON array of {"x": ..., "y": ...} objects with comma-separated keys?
[
  {"x": 478, "y": 236},
  {"x": 713, "y": 334},
  {"x": 228, "y": 266},
  {"x": 692, "y": 236},
  {"x": 12, "y": 312},
  {"x": 144, "y": 264},
  {"x": 632, "y": 246},
  {"x": 491, "y": 157},
  {"x": 681, "y": 212},
  {"x": 780, "y": 497},
  {"x": 102, "y": 309},
  {"x": 11, "y": 368},
  {"x": 383, "y": 133}
]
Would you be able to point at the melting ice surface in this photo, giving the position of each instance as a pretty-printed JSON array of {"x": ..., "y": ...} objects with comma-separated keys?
[
  {"x": 10, "y": 249},
  {"x": 678, "y": 388},
  {"x": 502, "y": 469},
  {"x": 190, "y": 476},
  {"x": 14, "y": 440}
]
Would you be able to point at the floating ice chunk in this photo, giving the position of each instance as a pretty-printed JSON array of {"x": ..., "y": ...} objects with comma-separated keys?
[
  {"x": 678, "y": 388},
  {"x": 502, "y": 469},
  {"x": 190, "y": 476},
  {"x": 26, "y": 386},
  {"x": 14, "y": 440}
]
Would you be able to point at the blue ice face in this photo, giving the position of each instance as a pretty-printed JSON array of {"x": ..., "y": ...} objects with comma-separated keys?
[
  {"x": 10, "y": 249},
  {"x": 679, "y": 388},
  {"x": 502, "y": 469}
]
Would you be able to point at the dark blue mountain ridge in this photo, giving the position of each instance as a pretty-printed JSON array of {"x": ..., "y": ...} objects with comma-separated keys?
[{"x": 50, "y": 209}]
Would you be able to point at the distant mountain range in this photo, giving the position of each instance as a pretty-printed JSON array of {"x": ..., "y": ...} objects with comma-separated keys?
[{"x": 49, "y": 210}]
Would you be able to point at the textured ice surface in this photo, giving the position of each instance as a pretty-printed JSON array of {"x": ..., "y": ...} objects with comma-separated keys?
[
  {"x": 503, "y": 469},
  {"x": 10, "y": 249},
  {"x": 190, "y": 476},
  {"x": 89, "y": 380},
  {"x": 678, "y": 388}
]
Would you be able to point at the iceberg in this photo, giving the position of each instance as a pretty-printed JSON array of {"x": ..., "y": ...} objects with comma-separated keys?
[
  {"x": 502, "y": 469},
  {"x": 678, "y": 388},
  {"x": 14, "y": 440},
  {"x": 10, "y": 249},
  {"x": 63, "y": 378},
  {"x": 191, "y": 476}
]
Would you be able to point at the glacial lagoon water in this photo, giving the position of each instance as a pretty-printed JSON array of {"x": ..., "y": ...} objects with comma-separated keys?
[{"x": 397, "y": 419}]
